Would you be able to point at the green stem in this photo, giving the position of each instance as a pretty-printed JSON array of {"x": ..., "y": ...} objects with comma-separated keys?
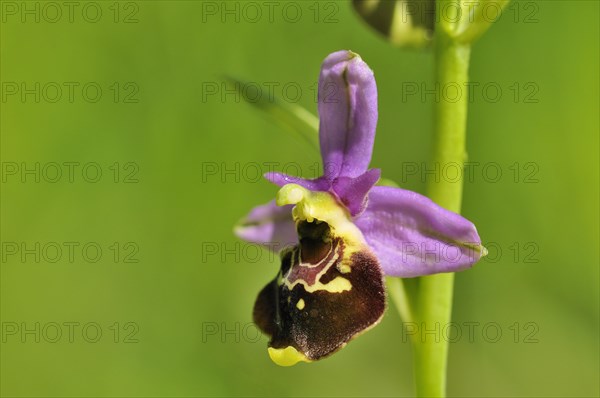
[
  {"x": 400, "y": 295},
  {"x": 434, "y": 301}
]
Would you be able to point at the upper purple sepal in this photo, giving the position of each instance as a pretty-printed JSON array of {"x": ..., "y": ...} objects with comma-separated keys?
[
  {"x": 348, "y": 118},
  {"x": 347, "y": 114}
]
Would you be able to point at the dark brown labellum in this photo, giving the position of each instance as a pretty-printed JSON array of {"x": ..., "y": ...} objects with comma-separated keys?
[{"x": 324, "y": 295}]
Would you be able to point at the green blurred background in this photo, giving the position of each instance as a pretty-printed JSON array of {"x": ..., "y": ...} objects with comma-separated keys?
[{"x": 182, "y": 311}]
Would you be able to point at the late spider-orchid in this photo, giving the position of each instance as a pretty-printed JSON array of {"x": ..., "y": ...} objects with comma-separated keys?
[{"x": 339, "y": 234}]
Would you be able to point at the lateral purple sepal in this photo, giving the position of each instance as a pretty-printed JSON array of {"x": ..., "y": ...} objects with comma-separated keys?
[{"x": 412, "y": 236}]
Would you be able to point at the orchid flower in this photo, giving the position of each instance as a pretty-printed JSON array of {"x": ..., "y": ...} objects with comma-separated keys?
[{"x": 338, "y": 235}]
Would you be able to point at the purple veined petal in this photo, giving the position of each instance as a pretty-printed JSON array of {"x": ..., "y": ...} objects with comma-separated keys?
[
  {"x": 347, "y": 113},
  {"x": 413, "y": 236},
  {"x": 269, "y": 225},
  {"x": 280, "y": 179},
  {"x": 353, "y": 191}
]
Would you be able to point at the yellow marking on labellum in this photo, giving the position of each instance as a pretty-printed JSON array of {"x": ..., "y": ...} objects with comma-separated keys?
[
  {"x": 287, "y": 356},
  {"x": 300, "y": 304},
  {"x": 337, "y": 285},
  {"x": 344, "y": 268}
]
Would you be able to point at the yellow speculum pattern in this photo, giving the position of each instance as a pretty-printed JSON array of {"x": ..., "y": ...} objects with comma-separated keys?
[{"x": 338, "y": 285}]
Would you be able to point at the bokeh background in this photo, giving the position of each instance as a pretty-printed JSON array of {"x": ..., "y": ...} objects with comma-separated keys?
[{"x": 179, "y": 166}]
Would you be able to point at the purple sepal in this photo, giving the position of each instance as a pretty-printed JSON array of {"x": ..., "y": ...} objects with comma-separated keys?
[
  {"x": 269, "y": 225},
  {"x": 347, "y": 114},
  {"x": 413, "y": 236}
]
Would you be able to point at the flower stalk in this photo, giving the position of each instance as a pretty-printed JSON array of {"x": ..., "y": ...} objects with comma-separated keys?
[{"x": 434, "y": 301}]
